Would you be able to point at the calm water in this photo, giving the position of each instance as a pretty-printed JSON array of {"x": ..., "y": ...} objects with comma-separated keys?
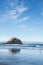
[{"x": 28, "y": 55}]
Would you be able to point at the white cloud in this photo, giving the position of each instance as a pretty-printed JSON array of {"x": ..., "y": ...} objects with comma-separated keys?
[
  {"x": 23, "y": 19},
  {"x": 21, "y": 9},
  {"x": 12, "y": 3},
  {"x": 9, "y": 15},
  {"x": 14, "y": 12}
]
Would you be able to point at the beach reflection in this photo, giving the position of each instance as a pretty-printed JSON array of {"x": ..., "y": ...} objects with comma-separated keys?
[
  {"x": 24, "y": 57},
  {"x": 14, "y": 50}
]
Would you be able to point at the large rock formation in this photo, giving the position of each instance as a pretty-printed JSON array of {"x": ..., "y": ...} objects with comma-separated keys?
[{"x": 14, "y": 40}]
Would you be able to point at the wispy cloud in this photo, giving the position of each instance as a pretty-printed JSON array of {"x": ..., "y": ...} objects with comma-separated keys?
[
  {"x": 13, "y": 10},
  {"x": 23, "y": 19},
  {"x": 21, "y": 9}
]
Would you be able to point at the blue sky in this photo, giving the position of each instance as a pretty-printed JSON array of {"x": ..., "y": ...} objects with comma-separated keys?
[{"x": 22, "y": 19}]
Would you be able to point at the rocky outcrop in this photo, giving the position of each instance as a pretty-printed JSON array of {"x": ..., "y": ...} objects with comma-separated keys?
[{"x": 14, "y": 40}]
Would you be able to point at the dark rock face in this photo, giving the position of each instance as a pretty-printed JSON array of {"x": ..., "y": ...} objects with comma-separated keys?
[{"x": 14, "y": 41}]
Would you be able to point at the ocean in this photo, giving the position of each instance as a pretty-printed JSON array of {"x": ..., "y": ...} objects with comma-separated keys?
[{"x": 25, "y": 54}]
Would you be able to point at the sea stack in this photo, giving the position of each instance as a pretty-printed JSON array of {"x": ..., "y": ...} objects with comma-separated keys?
[{"x": 14, "y": 40}]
